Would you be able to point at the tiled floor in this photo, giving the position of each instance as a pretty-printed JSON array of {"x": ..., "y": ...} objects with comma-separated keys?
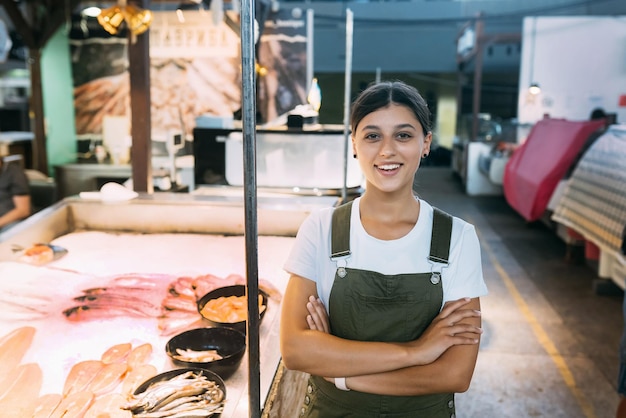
[{"x": 550, "y": 347}]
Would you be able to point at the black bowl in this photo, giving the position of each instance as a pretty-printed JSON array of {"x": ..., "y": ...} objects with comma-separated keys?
[
  {"x": 228, "y": 342},
  {"x": 176, "y": 372},
  {"x": 226, "y": 291}
]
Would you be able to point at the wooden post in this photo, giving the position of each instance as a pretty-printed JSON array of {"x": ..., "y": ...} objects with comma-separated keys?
[
  {"x": 139, "y": 70},
  {"x": 36, "y": 113}
]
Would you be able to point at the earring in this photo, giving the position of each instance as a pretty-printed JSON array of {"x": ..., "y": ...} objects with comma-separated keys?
[
  {"x": 354, "y": 156},
  {"x": 425, "y": 155}
]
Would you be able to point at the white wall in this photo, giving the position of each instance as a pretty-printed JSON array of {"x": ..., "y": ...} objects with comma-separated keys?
[{"x": 579, "y": 63}]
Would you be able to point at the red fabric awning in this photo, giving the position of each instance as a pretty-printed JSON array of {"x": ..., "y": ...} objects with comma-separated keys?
[{"x": 536, "y": 167}]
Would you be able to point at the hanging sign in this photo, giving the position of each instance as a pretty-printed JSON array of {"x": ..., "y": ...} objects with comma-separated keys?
[{"x": 191, "y": 34}]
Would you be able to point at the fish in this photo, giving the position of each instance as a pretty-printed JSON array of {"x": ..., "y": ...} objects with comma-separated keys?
[
  {"x": 186, "y": 392},
  {"x": 206, "y": 283},
  {"x": 147, "y": 293},
  {"x": 46, "y": 404},
  {"x": 107, "y": 378},
  {"x": 181, "y": 303},
  {"x": 18, "y": 308},
  {"x": 94, "y": 311},
  {"x": 183, "y": 286},
  {"x": 8, "y": 378},
  {"x": 80, "y": 376},
  {"x": 172, "y": 324},
  {"x": 20, "y": 396},
  {"x": 117, "y": 353},
  {"x": 137, "y": 303},
  {"x": 74, "y": 405},
  {"x": 154, "y": 281},
  {"x": 39, "y": 254},
  {"x": 14, "y": 345},
  {"x": 136, "y": 376},
  {"x": 139, "y": 355},
  {"x": 108, "y": 406}
]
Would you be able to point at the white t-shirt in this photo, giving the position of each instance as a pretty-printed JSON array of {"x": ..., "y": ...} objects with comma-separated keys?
[{"x": 310, "y": 255}]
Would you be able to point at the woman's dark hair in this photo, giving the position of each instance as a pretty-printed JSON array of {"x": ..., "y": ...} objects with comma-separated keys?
[{"x": 380, "y": 95}]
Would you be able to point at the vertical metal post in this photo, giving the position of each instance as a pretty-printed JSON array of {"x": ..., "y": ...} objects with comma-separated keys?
[
  {"x": 478, "y": 78},
  {"x": 346, "y": 100},
  {"x": 248, "y": 85},
  {"x": 309, "y": 48}
]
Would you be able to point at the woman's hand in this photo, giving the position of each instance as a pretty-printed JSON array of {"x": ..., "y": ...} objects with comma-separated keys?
[
  {"x": 317, "y": 317},
  {"x": 318, "y": 320},
  {"x": 446, "y": 330}
]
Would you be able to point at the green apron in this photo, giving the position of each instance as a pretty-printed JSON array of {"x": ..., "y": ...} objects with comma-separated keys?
[{"x": 369, "y": 306}]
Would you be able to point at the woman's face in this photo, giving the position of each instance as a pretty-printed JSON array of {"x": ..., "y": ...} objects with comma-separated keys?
[{"x": 389, "y": 144}]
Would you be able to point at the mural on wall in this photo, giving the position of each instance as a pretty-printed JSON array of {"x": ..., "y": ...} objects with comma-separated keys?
[
  {"x": 195, "y": 70},
  {"x": 282, "y": 81}
]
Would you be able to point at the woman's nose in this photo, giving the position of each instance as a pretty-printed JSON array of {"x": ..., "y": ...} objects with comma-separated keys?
[{"x": 387, "y": 147}]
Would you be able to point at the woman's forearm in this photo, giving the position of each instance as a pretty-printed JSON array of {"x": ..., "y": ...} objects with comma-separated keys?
[
  {"x": 323, "y": 354},
  {"x": 451, "y": 373}
]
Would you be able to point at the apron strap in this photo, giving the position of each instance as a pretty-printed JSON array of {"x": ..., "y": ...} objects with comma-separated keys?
[
  {"x": 440, "y": 240},
  {"x": 340, "y": 231}
]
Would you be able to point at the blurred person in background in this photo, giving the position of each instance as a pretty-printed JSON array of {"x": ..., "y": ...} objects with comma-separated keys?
[{"x": 15, "y": 202}]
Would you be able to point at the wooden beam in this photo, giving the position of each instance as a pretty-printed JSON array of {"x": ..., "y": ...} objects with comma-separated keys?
[
  {"x": 140, "y": 130},
  {"x": 19, "y": 22},
  {"x": 37, "y": 116},
  {"x": 57, "y": 15}
]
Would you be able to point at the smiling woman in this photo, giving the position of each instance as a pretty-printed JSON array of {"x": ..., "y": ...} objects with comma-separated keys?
[{"x": 385, "y": 277}]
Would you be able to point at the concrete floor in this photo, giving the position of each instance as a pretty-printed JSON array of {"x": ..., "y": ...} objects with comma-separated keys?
[{"x": 550, "y": 347}]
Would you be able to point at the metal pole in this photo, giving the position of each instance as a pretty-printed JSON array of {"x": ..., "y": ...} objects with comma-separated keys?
[
  {"x": 478, "y": 78},
  {"x": 250, "y": 203},
  {"x": 309, "y": 48},
  {"x": 346, "y": 99}
]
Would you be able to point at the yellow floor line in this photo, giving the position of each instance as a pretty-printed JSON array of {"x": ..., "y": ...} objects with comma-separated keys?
[{"x": 541, "y": 335}]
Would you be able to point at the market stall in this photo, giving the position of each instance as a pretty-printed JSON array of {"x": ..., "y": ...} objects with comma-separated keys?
[
  {"x": 157, "y": 240},
  {"x": 593, "y": 202}
]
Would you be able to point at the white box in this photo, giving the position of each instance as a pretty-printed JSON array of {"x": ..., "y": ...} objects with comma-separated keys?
[{"x": 295, "y": 159}]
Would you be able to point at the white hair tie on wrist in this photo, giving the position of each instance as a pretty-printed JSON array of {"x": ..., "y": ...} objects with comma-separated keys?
[{"x": 340, "y": 383}]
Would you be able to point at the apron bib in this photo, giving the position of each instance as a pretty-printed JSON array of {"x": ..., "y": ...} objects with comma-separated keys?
[{"x": 370, "y": 306}]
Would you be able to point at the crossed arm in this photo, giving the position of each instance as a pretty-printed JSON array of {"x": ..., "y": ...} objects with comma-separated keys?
[{"x": 442, "y": 360}]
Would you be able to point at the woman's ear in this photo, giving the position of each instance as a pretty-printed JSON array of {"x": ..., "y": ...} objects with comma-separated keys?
[{"x": 428, "y": 139}]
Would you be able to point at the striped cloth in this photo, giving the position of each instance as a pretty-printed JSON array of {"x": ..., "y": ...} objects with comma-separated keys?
[{"x": 593, "y": 202}]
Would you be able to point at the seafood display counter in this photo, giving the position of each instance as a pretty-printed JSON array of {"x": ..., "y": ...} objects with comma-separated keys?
[{"x": 121, "y": 280}]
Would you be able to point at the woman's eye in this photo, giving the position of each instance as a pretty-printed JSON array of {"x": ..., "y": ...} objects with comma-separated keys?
[
  {"x": 371, "y": 136},
  {"x": 404, "y": 136}
]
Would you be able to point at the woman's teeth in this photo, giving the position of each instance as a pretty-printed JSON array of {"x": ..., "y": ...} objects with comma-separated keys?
[{"x": 389, "y": 167}]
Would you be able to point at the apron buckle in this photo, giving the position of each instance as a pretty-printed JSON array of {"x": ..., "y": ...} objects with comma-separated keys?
[
  {"x": 341, "y": 267},
  {"x": 435, "y": 277}
]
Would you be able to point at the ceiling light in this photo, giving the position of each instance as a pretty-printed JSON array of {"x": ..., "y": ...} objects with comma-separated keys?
[
  {"x": 534, "y": 89},
  {"x": 91, "y": 11}
]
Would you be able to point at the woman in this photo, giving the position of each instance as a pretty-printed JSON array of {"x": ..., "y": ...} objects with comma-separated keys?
[{"x": 402, "y": 329}]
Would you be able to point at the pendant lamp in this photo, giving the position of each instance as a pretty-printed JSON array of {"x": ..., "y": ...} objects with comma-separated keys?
[
  {"x": 137, "y": 20},
  {"x": 534, "y": 88}
]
